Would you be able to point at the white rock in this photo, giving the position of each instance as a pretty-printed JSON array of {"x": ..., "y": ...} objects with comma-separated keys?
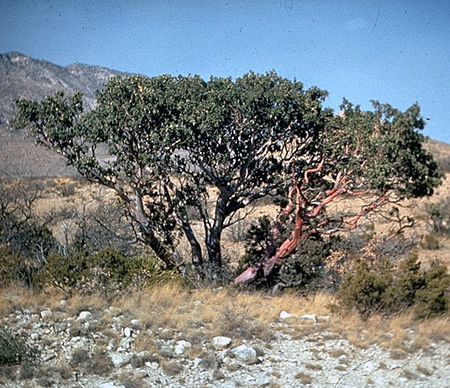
[
  {"x": 182, "y": 346},
  {"x": 245, "y": 353},
  {"x": 221, "y": 342},
  {"x": 125, "y": 344},
  {"x": 121, "y": 359},
  {"x": 284, "y": 315},
  {"x": 309, "y": 317},
  {"x": 136, "y": 323},
  {"x": 46, "y": 314},
  {"x": 198, "y": 362},
  {"x": 127, "y": 332},
  {"x": 85, "y": 316},
  {"x": 109, "y": 385},
  {"x": 34, "y": 336}
]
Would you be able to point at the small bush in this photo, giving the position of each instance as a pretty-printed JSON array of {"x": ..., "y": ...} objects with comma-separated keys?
[
  {"x": 16, "y": 269},
  {"x": 382, "y": 287},
  {"x": 106, "y": 272},
  {"x": 439, "y": 217},
  {"x": 12, "y": 348},
  {"x": 430, "y": 242}
]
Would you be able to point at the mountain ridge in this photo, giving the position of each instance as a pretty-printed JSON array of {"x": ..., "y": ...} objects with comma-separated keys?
[{"x": 22, "y": 76}]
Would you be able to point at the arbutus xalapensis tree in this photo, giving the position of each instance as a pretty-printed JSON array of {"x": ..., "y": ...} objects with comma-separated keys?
[
  {"x": 376, "y": 157},
  {"x": 171, "y": 141}
]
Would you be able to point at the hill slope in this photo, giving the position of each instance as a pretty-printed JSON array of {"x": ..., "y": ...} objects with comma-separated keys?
[{"x": 25, "y": 77}]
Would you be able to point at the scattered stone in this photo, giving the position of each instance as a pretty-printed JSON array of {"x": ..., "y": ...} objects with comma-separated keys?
[
  {"x": 246, "y": 354},
  {"x": 221, "y": 342},
  {"x": 125, "y": 344},
  {"x": 48, "y": 357},
  {"x": 121, "y": 359},
  {"x": 323, "y": 318},
  {"x": 85, "y": 316},
  {"x": 181, "y": 347},
  {"x": 34, "y": 336},
  {"x": 46, "y": 314},
  {"x": 136, "y": 324},
  {"x": 309, "y": 317},
  {"x": 109, "y": 385},
  {"x": 284, "y": 315},
  {"x": 127, "y": 332}
]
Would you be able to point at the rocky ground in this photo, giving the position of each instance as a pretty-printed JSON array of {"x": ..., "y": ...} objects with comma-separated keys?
[{"x": 108, "y": 349}]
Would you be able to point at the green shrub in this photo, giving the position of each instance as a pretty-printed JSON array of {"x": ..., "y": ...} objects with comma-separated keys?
[
  {"x": 430, "y": 242},
  {"x": 433, "y": 298},
  {"x": 12, "y": 348},
  {"x": 364, "y": 289},
  {"x": 16, "y": 269},
  {"x": 106, "y": 272},
  {"x": 381, "y": 287}
]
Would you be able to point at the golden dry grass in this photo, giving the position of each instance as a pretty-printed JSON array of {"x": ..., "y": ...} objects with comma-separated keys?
[{"x": 175, "y": 312}]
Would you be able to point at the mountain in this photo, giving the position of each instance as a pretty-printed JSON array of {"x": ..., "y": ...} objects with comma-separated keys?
[{"x": 25, "y": 77}]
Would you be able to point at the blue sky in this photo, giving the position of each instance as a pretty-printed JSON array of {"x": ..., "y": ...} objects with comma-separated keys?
[{"x": 391, "y": 51}]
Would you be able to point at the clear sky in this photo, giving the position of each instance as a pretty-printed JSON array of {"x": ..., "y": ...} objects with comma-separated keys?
[{"x": 391, "y": 51}]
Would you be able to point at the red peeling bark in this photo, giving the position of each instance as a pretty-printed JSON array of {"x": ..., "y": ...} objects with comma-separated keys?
[{"x": 297, "y": 198}]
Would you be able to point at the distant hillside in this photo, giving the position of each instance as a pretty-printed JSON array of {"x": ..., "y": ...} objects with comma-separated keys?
[{"x": 25, "y": 77}]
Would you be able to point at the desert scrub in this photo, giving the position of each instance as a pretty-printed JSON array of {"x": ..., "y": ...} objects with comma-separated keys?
[
  {"x": 382, "y": 287},
  {"x": 12, "y": 348},
  {"x": 430, "y": 242},
  {"x": 108, "y": 272}
]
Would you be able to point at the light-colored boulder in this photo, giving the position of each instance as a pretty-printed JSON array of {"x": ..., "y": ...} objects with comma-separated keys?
[
  {"x": 120, "y": 359},
  {"x": 309, "y": 317},
  {"x": 285, "y": 315},
  {"x": 221, "y": 342},
  {"x": 85, "y": 316},
  {"x": 246, "y": 354},
  {"x": 182, "y": 347}
]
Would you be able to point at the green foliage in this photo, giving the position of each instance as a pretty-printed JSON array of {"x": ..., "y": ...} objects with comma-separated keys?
[
  {"x": 433, "y": 298},
  {"x": 170, "y": 139},
  {"x": 12, "y": 348},
  {"x": 381, "y": 287},
  {"x": 106, "y": 272},
  {"x": 16, "y": 269}
]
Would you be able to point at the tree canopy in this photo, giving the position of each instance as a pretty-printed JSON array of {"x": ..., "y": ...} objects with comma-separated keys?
[{"x": 184, "y": 151}]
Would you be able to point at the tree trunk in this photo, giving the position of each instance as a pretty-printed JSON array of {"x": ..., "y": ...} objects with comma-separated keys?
[
  {"x": 196, "y": 250},
  {"x": 170, "y": 258},
  {"x": 214, "y": 236}
]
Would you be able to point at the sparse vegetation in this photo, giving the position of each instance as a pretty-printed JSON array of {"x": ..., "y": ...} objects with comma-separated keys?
[
  {"x": 12, "y": 348},
  {"x": 381, "y": 287}
]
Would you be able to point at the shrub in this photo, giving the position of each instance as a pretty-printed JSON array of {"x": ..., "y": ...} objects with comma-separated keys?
[
  {"x": 12, "y": 348},
  {"x": 16, "y": 269},
  {"x": 106, "y": 272},
  {"x": 439, "y": 217},
  {"x": 432, "y": 299},
  {"x": 430, "y": 242},
  {"x": 382, "y": 287},
  {"x": 364, "y": 290}
]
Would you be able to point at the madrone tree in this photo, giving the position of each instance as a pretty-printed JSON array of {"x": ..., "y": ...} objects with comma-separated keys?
[{"x": 184, "y": 151}]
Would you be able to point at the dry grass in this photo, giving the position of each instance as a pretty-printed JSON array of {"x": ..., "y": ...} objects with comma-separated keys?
[
  {"x": 206, "y": 313},
  {"x": 173, "y": 312},
  {"x": 14, "y": 298},
  {"x": 304, "y": 378}
]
